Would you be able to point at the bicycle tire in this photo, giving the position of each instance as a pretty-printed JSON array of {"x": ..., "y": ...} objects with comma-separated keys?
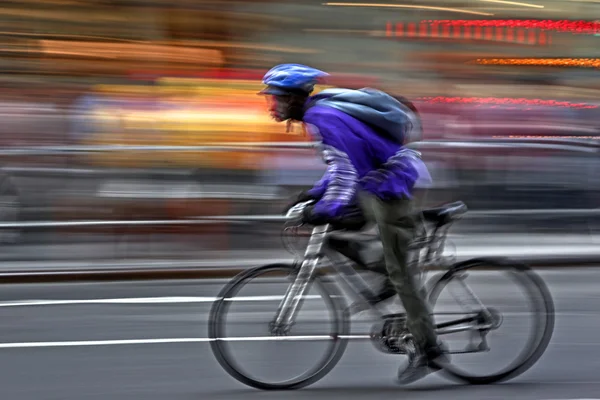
[
  {"x": 536, "y": 286},
  {"x": 332, "y": 297}
]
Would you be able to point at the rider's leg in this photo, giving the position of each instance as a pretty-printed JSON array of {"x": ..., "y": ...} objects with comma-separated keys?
[{"x": 397, "y": 228}]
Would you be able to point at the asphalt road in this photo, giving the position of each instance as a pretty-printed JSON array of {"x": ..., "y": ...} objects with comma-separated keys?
[{"x": 98, "y": 341}]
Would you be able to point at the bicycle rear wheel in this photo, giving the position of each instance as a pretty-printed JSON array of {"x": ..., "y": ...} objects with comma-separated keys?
[
  {"x": 540, "y": 321},
  {"x": 266, "y": 280}
]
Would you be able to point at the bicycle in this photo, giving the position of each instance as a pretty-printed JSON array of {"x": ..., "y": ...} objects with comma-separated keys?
[{"x": 342, "y": 251}]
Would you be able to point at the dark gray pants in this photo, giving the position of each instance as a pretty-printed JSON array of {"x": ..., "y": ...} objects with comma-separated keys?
[{"x": 397, "y": 227}]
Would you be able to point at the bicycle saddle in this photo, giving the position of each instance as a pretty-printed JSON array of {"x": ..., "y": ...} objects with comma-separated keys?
[{"x": 445, "y": 214}]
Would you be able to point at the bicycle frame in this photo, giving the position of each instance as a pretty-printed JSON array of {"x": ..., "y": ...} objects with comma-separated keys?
[{"x": 316, "y": 252}]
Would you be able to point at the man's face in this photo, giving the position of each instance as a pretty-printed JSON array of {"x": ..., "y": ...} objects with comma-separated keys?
[{"x": 278, "y": 107}]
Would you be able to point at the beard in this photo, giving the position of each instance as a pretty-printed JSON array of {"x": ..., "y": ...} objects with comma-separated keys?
[
  {"x": 289, "y": 108},
  {"x": 280, "y": 113}
]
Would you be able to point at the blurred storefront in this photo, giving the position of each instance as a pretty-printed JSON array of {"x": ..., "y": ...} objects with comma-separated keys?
[
  {"x": 186, "y": 72},
  {"x": 106, "y": 40}
]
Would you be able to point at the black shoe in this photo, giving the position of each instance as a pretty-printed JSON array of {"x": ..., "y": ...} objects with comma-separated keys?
[
  {"x": 438, "y": 357},
  {"x": 422, "y": 363}
]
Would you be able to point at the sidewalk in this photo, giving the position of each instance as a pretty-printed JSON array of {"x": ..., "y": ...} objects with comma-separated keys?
[{"x": 538, "y": 250}]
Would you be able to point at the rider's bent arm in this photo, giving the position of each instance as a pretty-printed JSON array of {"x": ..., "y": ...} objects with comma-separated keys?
[
  {"x": 403, "y": 167},
  {"x": 341, "y": 178},
  {"x": 319, "y": 189}
]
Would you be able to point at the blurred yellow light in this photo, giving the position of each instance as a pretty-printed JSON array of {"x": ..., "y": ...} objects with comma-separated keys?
[
  {"x": 131, "y": 51},
  {"x": 206, "y": 111}
]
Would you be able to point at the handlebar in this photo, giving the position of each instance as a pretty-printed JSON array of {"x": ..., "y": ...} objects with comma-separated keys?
[
  {"x": 433, "y": 242},
  {"x": 295, "y": 212}
]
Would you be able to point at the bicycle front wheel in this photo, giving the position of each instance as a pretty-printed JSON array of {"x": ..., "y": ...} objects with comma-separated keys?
[
  {"x": 495, "y": 315},
  {"x": 240, "y": 329}
]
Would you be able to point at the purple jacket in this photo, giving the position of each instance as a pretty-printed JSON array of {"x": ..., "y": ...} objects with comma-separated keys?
[{"x": 358, "y": 158}]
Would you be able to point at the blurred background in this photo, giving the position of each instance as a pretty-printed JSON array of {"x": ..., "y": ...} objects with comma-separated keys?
[
  {"x": 509, "y": 97},
  {"x": 99, "y": 73}
]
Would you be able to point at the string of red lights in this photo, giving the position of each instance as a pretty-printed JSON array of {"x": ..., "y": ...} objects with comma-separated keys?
[
  {"x": 505, "y": 101},
  {"x": 447, "y": 31},
  {"x": 571, "y": 26},
  {"x": 541, "y": 62}
]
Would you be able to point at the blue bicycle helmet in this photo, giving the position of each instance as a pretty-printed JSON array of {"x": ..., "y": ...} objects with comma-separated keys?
[{"x": 291, "y": 78}]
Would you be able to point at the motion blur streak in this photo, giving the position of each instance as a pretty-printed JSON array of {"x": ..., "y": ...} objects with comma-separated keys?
[
  {"x": 513, "y": 3},
  {"x": 455, "y": 10},
  {"x": 133, "y": 144}
]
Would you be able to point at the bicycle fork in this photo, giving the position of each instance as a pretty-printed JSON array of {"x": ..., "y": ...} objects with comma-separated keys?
[{"x": 286, "y": 312}]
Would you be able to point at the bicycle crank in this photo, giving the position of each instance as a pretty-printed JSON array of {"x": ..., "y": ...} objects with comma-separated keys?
[{"x": 390, "y": 336}]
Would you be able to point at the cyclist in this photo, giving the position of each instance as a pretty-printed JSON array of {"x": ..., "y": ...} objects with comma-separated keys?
[{"x": 361, "y": 134}]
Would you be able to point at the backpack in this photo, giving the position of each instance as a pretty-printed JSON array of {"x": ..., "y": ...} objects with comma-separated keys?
[{"x": 373, "y": 107}]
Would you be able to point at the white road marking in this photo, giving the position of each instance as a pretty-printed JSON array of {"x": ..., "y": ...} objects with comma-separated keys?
[
  {"x": 174, "y": 340},
  {"x": 119, "y": 342},
  {"x": 143, "y": 300},
  {"x": 200, "y": 300},
  {"x": 90, "y": 343}
]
